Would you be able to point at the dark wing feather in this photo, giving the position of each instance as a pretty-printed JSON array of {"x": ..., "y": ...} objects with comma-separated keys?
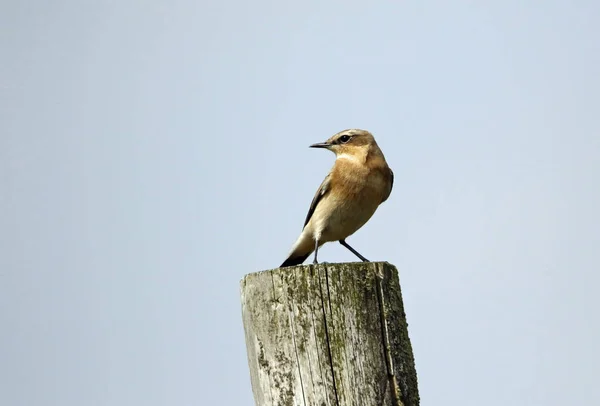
[
  {"x": 391, "y": 178},
  {"x": 321, "y": 192}
]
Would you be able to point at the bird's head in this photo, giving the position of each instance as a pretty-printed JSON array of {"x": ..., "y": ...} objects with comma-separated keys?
[{"x": 353, "y": 143}]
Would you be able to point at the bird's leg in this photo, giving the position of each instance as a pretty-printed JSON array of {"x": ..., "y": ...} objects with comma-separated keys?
[
  {"x": 316, "y": 251},
  {"x": 345, "y": 244}
]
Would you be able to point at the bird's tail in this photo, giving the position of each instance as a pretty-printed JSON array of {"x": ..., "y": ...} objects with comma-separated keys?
[
  {"x": 294, "y": 260},
  {"x": 301, "y": 250}
]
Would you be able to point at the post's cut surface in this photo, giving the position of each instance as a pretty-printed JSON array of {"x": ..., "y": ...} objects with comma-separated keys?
[{"x": 328, "y": 334}]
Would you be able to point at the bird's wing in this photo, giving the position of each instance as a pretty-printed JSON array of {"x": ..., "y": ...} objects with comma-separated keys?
[
  {"x": 389, "y": 191},
  {"x": 321, "y": 192}
]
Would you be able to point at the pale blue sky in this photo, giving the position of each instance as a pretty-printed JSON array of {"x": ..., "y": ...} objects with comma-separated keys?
[{"x": 152, "y": 153}]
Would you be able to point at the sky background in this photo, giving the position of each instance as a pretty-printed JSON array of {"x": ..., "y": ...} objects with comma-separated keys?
[{"x": 154, "y": 152}]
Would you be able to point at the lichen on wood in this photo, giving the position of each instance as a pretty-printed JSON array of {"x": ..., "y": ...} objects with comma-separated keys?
[{"x": 328, "y": 334}]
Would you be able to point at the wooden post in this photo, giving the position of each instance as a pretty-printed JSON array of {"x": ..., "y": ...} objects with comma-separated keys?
[{"x": 328, "y": 334}]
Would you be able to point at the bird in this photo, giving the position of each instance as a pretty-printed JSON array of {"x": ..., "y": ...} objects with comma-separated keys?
[{"x": 359, "y": 181}]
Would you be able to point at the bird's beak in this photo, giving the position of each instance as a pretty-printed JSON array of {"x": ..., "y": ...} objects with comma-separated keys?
[{"x": 320, "y": 145}]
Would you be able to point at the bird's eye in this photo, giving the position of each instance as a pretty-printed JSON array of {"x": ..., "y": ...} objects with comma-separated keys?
[{"x": 345, "y": 138}]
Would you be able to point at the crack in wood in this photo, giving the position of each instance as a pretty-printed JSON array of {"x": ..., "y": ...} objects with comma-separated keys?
[
  {"x": 327, "y": 338},
  {"x": 393, "y": 384}
]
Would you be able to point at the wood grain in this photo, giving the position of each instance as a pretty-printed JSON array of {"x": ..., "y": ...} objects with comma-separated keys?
[{"x": 328, "y": 334}]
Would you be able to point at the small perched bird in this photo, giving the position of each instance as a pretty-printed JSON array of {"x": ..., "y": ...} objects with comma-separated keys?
[{"x": 358, "y": 183}]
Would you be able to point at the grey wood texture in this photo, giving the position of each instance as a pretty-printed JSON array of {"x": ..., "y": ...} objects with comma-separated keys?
[{"x": 328, "y": 334}]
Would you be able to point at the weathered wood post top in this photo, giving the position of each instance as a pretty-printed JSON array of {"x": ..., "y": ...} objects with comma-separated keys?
[{"x": 328, "y": 334}]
